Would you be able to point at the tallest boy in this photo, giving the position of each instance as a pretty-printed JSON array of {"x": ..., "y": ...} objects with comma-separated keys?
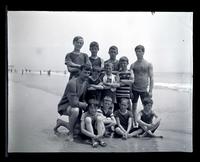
[{"x": 143, "y": 79}]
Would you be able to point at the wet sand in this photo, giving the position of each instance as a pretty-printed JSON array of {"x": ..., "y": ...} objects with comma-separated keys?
[{"x": 32, "y": 114}]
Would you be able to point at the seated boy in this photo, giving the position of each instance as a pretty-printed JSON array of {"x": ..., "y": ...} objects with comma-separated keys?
[
  {"x": 124, "y": 118},
  {"x": 92, "y": 125},
  {"x": 108, "y": 116},
  {"x": 145, "y": 119}
]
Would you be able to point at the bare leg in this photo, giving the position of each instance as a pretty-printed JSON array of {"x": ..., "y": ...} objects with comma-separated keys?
[
  {"x": 100, "y": 126},
  {"x": 134, "y": 108},
  {"x": 88, "y": 123},
  {"x": 59, "y": 123},
  {"x": 149, "y": 131},
  {"x": 89, "y": 127},
  {"x": 119, "y": 131},
  {"x": 135, "y": 133},
  {"x": 100, "y": 131},
  {"x": 72, "y": 120}
]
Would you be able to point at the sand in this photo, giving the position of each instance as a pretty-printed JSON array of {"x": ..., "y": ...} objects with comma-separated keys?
[{"x": 32, "y": 114}]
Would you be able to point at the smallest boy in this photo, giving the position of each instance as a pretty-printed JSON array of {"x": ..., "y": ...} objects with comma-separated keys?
[{"x": 145, "y": 119}]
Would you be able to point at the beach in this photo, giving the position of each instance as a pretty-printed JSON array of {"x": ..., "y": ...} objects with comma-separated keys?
[{"x": 32, "y": 114}]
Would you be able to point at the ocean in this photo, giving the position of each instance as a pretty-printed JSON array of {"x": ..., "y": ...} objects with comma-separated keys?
[{"x": 166, "y": 80}]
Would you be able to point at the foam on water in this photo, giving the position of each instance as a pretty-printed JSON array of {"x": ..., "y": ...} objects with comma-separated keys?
[{"x": 185, "y": 87}]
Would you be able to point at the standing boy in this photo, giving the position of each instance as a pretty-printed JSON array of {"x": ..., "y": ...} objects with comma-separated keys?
[
  {"x": 94, "y": 59},
  {"x": 126, "y": 80},
  {"x": 75, "y": 59},
  {"x": 113, "y": 51},
  {"x": 143, "y": 78}
]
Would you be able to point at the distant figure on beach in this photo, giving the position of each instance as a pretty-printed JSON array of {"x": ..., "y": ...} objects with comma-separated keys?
[
  {"x": 143, "y": 77},
  {"x": 126, "y": 79},
  {"x": 92, "y": 125},
  {"x": 76, "y": 58},
  {"x": 113, "y": 51},
  {"x": 73, "y": 101},
  {"x": 49, "y": 72},
  {"x": 94, "y": 59},
  {"x": 124, "y": 128},
  {"x": 145, "y": 119}
]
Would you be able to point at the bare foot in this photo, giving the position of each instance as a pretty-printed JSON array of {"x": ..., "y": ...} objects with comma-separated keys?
[{"x": 70, "y": 138}]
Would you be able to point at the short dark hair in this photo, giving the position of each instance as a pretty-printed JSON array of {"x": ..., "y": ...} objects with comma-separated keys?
[
  {"x": 94, "y": 44},
  {"x": 85, "y": 67},
  {"x": 113, "y": 48},
  {"x": 108, "y": 64},
  {"x": 140, "y": 47},
  {"x": 124, "y": 99},
  {"x": 147, "y": 100},
  {"x": 77, "y": 38}
]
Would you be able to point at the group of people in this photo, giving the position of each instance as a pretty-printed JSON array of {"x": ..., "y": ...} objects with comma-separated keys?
[{"x": 101, "y": 97}]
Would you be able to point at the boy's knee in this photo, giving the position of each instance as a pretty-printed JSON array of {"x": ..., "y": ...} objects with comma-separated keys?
[{"x": 117, "y": 129}]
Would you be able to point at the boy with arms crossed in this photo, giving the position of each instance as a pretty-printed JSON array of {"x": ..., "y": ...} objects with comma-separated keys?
[{"x": 76, "y": 58}]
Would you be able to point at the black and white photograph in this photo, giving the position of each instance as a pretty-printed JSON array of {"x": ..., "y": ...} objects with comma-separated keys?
[{"x": 104, "y": 81}]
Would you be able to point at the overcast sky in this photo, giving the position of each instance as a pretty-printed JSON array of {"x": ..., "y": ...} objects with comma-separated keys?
[{"x": 41, "y": 39}]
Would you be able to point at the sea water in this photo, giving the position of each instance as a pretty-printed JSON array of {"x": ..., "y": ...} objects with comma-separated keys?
[{"x": 166, "y": 80}]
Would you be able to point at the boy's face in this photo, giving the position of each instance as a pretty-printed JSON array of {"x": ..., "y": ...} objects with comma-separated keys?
[
  {"x": 94, "y": 49},
  {"x": 107, "y": 104},
  {"x": 78, "y": 44},
  {"x": 124, "y": 64},
  {"x": 84, "y": 74},
  {"x": 108, "y": 70},
  {"x": 148, "y": 107},
  {"x": 95, "y": 73},
  {"x": 92, "y": 109},
  {"x": 113, "y": 53},
  {"x": 139, "y": 54},
  {"x": 123, "y": 105}
]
